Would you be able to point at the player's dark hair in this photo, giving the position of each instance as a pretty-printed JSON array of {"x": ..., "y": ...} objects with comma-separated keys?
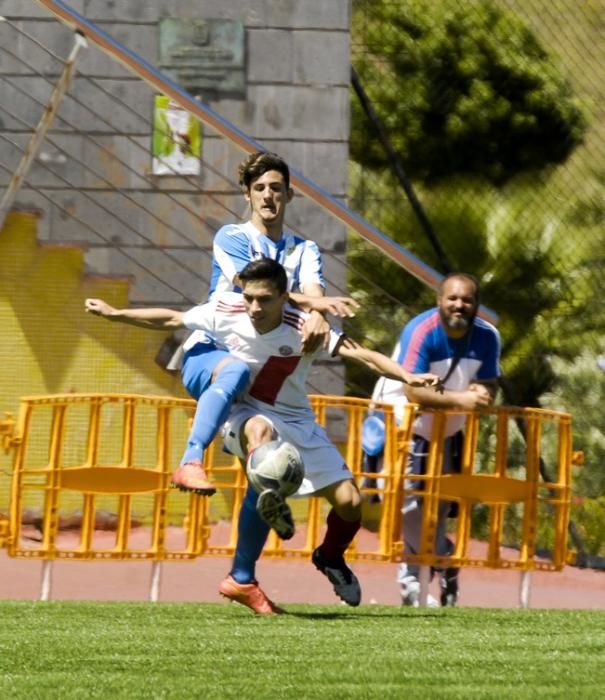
[
  {"x": 463, "y": 276},
  {"x": 259, "y": 163},
  {"x": 265, "y": 269}
]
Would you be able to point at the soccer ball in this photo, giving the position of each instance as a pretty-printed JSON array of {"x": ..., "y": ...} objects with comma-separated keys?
[{"x": 275, "y": 465}]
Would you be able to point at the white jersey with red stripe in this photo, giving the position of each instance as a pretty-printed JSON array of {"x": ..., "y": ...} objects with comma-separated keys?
[{"x": 279, "y": 370}]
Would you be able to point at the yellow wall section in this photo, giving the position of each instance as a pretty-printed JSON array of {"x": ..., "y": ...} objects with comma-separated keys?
[{"x": 50, "y": 345}]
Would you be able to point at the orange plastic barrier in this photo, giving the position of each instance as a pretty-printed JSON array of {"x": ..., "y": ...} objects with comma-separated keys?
[
  {"x": 115, "y": 452},
  {"x": 60, "y": 449},
  {"x": 505, "y": 482}
]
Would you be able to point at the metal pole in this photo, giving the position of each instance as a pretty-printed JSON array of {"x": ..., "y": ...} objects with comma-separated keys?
[
  {"x": 156, "y": 580},
  {"x": 424, "y": 578},
  {"x": 524, "y": 589},
  {"x": 46, "y": 582},
  {"x": 32, "y": 148}
]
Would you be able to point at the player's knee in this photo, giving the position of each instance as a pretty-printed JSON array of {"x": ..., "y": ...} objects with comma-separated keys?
[
  {"x": 348, "y": 501},
  {"x": 351, "y": 512},
  {"x": 257, "y": 431}
]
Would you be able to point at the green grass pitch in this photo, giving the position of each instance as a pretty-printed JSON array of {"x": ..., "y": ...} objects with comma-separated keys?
[{"x": 219, "y": 651}]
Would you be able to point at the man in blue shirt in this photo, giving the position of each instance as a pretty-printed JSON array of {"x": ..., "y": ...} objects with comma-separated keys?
[{"x": 464, "y": 350}]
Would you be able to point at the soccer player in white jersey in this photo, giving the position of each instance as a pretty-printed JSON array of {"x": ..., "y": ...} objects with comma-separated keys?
[
  {"x": 211, "y": 374},
  {"x": 260, "y": 328}
]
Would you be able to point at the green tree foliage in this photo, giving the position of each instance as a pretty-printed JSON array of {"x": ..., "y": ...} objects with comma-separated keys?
[
  {"x": 580, "y": 388},
  {"x": 512, "y": 248},
  {"x": 424, "y": 63},
  {"x": 478, "y": 112},
  {"x": 463, "y": 88}
]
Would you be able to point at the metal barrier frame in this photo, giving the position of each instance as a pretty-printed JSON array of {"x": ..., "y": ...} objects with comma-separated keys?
[{"x": 124, "y": 479}]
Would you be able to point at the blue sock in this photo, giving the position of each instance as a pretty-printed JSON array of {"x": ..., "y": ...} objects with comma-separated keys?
[
  {"x": 252, "y": 533},
  {"x": 213, "y": 407}
]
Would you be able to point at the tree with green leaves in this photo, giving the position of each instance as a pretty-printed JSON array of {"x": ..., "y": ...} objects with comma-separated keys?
[
  {"x": 478, "y": 112},
  {"x": 481, "y": 115},
  {"x": 463, "y": 89}
]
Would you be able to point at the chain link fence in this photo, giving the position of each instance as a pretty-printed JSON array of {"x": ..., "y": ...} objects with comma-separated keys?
[{"x": 492, "y": 114}]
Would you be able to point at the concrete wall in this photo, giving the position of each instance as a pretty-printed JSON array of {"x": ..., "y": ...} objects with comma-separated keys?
[
  {"x": 158, "y": 231},
  {"x": 296, "y": 103}
]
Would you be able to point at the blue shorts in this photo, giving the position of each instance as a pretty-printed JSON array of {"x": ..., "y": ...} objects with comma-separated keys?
[{"x": 199, "y": 362}]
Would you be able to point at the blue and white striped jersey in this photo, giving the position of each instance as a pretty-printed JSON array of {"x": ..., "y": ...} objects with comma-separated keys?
[{"x": 235, "y": 245}]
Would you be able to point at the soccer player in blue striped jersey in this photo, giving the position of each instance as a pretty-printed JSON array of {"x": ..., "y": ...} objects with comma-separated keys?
[{"x": 211, "y": 374}]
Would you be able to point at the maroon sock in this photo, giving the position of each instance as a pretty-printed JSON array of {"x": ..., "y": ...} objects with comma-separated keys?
[{"x": 339, "y": 535}]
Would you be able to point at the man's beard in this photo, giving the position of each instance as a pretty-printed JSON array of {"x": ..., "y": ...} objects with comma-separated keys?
[{"x": 457, "y": 323}]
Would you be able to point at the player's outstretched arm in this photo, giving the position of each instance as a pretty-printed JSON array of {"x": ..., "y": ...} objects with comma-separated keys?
[
  {"x": 478, "y": 396},
  {"x": 343, "y": 307},
  {"x": 381, "y": 364},
  {"x": 155, "y": 318},
  {"x": 316, "y": 331}
]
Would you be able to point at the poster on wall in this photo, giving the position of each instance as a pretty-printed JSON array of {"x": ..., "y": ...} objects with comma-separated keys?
[{"x": 176, "y": 142}]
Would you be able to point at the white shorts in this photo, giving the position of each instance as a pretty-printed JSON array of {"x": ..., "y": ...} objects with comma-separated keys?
[{"x": 324, "y": 465}]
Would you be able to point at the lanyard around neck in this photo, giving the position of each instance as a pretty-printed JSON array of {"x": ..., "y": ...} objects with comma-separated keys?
[{"x": 459, "y": 353}]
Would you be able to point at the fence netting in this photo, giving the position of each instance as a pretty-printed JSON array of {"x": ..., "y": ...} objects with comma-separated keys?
[{"x": 494, "y": 114}]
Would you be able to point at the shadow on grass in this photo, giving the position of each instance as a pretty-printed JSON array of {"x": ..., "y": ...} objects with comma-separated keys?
[{"x": 360, "y": 614}]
